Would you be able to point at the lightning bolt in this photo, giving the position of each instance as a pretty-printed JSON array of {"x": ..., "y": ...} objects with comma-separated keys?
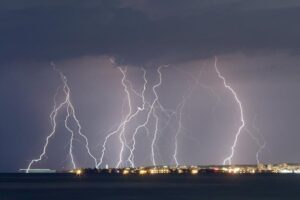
[
  {"x": 53, "y": 116},
  {"x": 72, "y": 137},
  {"x": 128, "y": 118},
  {"x": 131, "y": 156},
  {"x": 152, "y": 110},
  {"x": 228, "y": 160},
  {"x": 261, "y": 145},
  {"x": 242, "y": 127},
  {"x": 257, "y": 141},
  {"x": 70, "y": 112},
  {"x": 108, "y": 136},
  {"x": 121, "y": 128},
  {"x": 196, "y": 82},
  {"x": 261, "y": 148},
  {"x": 178, "y": 132},
  {"x": 74, "y": 116},
  {"x": 154, "y": 137},
  {"x": 179, "y": 113}
]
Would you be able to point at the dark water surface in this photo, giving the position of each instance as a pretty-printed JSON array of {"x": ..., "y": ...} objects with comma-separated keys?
[{"x": 67, "y": 186}]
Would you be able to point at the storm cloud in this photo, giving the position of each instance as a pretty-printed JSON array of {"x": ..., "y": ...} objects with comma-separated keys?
[{"x": 140, "y": 32}]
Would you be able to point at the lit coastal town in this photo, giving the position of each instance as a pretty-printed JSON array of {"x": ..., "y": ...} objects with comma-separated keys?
[{"x": 283, "y": 168}]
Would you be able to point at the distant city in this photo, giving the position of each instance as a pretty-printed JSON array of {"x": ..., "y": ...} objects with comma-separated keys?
[{"x": 283, "y": 168}]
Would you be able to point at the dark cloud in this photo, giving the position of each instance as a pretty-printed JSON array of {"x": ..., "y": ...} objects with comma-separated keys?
[
  {"x": 145, "y": 32},
  {"x": 159, "y": 9}
]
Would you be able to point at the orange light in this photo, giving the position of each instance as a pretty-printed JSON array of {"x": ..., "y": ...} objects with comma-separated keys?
[
  {"x": 153, "y": 171},
  {"x": 194, "y": 171},
  {"x": 78, "y": 172},
  {"x": 125, "y": 172},
  {"x": 142, "y": 172}
]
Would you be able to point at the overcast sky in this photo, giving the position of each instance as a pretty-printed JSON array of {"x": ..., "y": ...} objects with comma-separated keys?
[{"x": 256, "y": 42}]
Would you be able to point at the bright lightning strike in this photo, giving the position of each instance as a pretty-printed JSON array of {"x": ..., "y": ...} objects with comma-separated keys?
[
  {"x": 150, "y": 112},
  {"x": 72, "y": 137},
  {"x": 155, "y": 115},
  {"x": 53, "y": 116},
  {"x": 181, "y": 106},
  {"x": 228, "y": 160},
  {"x": 122, "y": 127},
  {"x": 127, "y": 119},
  {"x": 70, "y": 113},
  {"x": 74, "y": 116},
  {"x": 131, "y": 156}
]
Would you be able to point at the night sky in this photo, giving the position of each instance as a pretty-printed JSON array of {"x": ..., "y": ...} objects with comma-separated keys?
[{"x": 257, "y": 44}]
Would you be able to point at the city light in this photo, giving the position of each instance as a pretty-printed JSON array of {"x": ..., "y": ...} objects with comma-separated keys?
[
  {"x": 126, "y": 172},
  {"x": 283, "y": 168},
  {"x": 143, "y": 172},
  {"x": 78, "y": 172},
  {"x": 153, "y": 171},
  {"x": 194, "y": 171}
]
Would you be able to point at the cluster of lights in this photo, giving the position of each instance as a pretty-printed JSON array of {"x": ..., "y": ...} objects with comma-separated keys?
[
  {"x": 164, "y": 170},
  {"x": 196, "y": 170},
  {"x": 126, "y": 172},
  {"x": 235, "y": 170},
  {"x": 143, "y": 172},
  {"x": 78, "y": 172}
]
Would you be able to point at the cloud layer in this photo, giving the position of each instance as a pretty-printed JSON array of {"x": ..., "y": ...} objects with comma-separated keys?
[{"x": 141, "y": 32}]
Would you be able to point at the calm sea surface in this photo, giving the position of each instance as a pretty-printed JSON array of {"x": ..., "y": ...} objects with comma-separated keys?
[{"x": 67, "y": 186}]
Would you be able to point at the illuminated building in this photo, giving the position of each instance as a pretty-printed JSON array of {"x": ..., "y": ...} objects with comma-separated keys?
[
  {"x": 78, "y": 172},
  {"x": 194, "y": 171},
  {"x": 126, "y": 172},
  {"x": 143, "y": 172}
]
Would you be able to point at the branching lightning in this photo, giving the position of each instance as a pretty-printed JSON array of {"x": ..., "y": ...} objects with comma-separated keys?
[
  {"x": 130, "y": 116},
  {"x": 179, "y": 113},
  {"x": 242, "y": 127},
  {"x": 156, "y": 118},
  {"x": 70, "y": 113},
  {"x": 155, "y": 115},
  {"x": 151, "y": 111},
  {"x": 121, "y": 127},
  {"x": 228, "y": 160},
  {"x": 257, "y": 141},
  {"x": 131, "y": 156},
  {"x": 181, "y": 106},
  {"x": 53, "y": 116},
  {"x": 260, "y": 149},
  {"x": 72, "y": 137},
  {"x": 261, "y": 145}
]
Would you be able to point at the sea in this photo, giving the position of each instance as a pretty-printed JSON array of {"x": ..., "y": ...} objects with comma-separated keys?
[{"x": 159, "y": 187}]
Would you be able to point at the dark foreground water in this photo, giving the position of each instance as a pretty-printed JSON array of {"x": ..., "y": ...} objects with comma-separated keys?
[{"x": 67, "y": 186}]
